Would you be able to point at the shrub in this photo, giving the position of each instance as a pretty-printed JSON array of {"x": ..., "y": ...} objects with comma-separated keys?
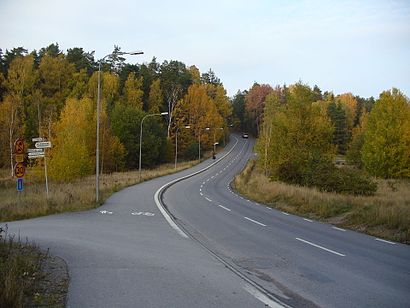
[{"x": 327, "y": 177}]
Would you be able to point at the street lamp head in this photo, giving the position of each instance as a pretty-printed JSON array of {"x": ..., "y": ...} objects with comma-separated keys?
[
  {"x": 134, "y": 53},
  {"x": 164, "y": 113},
  {"x": 188, "y": 126},
  {"x": 207, "y": 128}
]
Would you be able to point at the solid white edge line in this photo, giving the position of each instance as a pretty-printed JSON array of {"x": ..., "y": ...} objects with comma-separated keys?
[
  {"x": 225, "y": 208},
  {"x": 208, "y": 199},
  {"x": 254, "y": 221},
  {"x": 261, "y": 297},
  {"x": 161, "y": 208},
  {"x": 337, "y": 228},
  {"x": 384, "y": 241},
  {"x": 321, "y": 247},
  {"x": 308, "y": 220},
  {"x": 284, "y": 213}
]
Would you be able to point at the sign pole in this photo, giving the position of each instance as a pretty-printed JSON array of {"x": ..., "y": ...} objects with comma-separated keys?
[{"x": 45, "y": 171}]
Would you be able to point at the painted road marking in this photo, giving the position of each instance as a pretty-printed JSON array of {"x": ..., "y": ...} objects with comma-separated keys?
[
  {"x": 201, "y": 193},
  {"x": 106, "y": 212},
  {"x": 340, "y": 229},
  {"x": 284, "y": 213},
  {"x": 384, "y": 241},
  {"x": 308, "y": 220},
  {"x": 261, "y": 297},
  {"x": 225, "y": 208},
  {"x": 143, "y": 214},
  {"x": 208, "y": 199},
  {"x": 321, "y": 247},
  {"x": 254, "y": 221}
]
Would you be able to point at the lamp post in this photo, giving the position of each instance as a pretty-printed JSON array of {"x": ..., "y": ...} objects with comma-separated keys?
[
  {"x": 142, "y": 122},
  {"x": 97, "y": 150},
  {"x": 176, "y": 144}
]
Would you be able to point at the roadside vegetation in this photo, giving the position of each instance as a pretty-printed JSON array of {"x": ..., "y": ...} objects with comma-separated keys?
[
  {"x": 385, "y": 214},
  {"x": 29, "y": 277}
]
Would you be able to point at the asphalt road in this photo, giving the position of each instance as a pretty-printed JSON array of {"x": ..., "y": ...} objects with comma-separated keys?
[
  {"x": 299, "y": 261},
  {"x": 230, "y": 253},
  {"x": 124, "y": 254}
]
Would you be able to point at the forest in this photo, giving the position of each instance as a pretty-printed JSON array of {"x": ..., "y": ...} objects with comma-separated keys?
[
  {"x": 303, "y": 134},
  {"x": 53, "y": 95}
]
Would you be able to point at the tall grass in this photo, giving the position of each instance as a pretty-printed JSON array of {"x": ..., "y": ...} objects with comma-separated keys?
[
  {"x": 20, "y": 271},
  {"x": 386, "y": 214},
  {"x": 66, "y": 196}
]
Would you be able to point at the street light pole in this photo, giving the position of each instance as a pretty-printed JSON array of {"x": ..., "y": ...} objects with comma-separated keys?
[
  {"x": 142, "y": 121},
  {"x": 97, "y": 150}
]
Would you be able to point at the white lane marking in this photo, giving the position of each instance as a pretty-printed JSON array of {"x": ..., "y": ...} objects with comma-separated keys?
[
  {"x": 340, "y": 229},
  {"x": 106, "y": 212},
  {"x": 308, "y": 220},
  {"x": 200, "y": 189},
  {"x": 225, "y": 208},
  {"x": 201, "y": 193},
  {"x": 207, "y": 180},
  {"x": 143, "y": 213},
  {"x": 203, "y": 183},
  {"x": 384, "y": 241},
  {"x": 212, "y": 177},
  {"x": 321, "y": 247},
  {"x": 208, "y": 199},
  {"x": 261, "y": 297},
  {"x": 284, "y": 213},
  {"x": 254, "y": 221}
]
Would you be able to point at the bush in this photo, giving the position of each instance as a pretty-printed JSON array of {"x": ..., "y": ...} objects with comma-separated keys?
[
  {"x": 327, "y": 177},
  {"x": 191, "y": 152}
]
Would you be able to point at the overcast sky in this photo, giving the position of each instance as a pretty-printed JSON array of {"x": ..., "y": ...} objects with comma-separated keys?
[{"x": 361, "y": 47}]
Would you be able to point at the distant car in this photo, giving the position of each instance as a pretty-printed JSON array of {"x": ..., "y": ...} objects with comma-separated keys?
[{"x": 245, "y": 135}]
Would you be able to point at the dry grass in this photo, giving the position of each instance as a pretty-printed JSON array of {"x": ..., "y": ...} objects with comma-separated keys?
[
  {"x": 63, "y": 197},
  {"x": 386, "y": 214}
]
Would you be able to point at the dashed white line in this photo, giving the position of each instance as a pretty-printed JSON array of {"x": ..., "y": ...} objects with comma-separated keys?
[
  {"x": 321, "y": 247},
  {"x": 340, "y": 229},
  {"x": 208, "y": 199},
  {"x": 225, "y": 208},
  {"x": 308, "y": 220},
  {"x": 385, "y": 241},
  {"x": 254, "y": 221},
  {"x": 201, "y": 193},
  {"x": 284, "y": 213}
]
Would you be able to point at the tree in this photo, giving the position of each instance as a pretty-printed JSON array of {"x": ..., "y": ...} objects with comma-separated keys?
[
  {"x": 354, "y": 152},
  {"x": 386, "y": 149},
  {"x": 73, "y": 153},
  {"x": 155, "y": 100},
  {"x": 300, "y": 133},
  {"x": 132, "y": 91},
  {"x": 82, "y": 60},
  {"x": 337, "y": 115},
  {"x": 238, "y": 110},
  {"x": 255, "y": 102}
]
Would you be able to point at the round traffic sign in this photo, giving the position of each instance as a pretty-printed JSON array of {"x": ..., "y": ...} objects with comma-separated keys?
[
  {"x": 19, "y": 146},
  {"x": 19, "y": 170}
]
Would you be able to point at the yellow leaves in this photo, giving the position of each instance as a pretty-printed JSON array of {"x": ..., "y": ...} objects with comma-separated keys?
[
  {"x": 349, "y": 104},
  {"x": 132, "y": 91},
  {"x": 155, "y": 98}
]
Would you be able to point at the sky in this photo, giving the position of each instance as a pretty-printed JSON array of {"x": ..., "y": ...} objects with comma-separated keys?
[{"x": 362, "y": 47}]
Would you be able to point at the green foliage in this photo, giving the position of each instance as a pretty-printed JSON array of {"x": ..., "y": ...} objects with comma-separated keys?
[
  {"x": 386, "y": 149},
  {"x": 340, "y": 134}
]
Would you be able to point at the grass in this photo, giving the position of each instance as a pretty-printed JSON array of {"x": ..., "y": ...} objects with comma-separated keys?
[
  {"x": 20, "y": 271},
  {"x": 77, "y": 195},
  {"x": 386, "y": 214}
]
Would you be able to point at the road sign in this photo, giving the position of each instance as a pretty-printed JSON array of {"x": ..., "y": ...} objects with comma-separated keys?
[
  {"x": 35, "y": 155},
  {"x": 19, "y": 170},
  {"x": 35, "y": 151},
  {"x": 19, "y": 158},
  {"x": 37, "y": 139},
  {"x": 20, "y": 185},
  {"x": 19, "y": 146},
  {"x": 43, "y": 144}
]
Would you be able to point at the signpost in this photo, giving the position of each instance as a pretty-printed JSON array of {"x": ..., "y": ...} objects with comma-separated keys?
[
  {"x": 19, "y": 158},
  {"x": 19, "y": 170},
  {"x": 20, "y": 185},
  {"x": 19, "y": 146},
  {"x": 41, "y": 145}
]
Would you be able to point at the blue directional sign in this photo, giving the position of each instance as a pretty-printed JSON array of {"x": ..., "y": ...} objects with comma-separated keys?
[{"x": 20, "y": 185}]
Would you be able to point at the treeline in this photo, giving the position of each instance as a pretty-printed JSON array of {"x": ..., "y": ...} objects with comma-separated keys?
[
  {"x": 53, "y": 95},
  {"x": 300, "y": 130}
]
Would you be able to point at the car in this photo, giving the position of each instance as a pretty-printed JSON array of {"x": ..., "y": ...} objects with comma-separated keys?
[{"x": 245, "y": 135}]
